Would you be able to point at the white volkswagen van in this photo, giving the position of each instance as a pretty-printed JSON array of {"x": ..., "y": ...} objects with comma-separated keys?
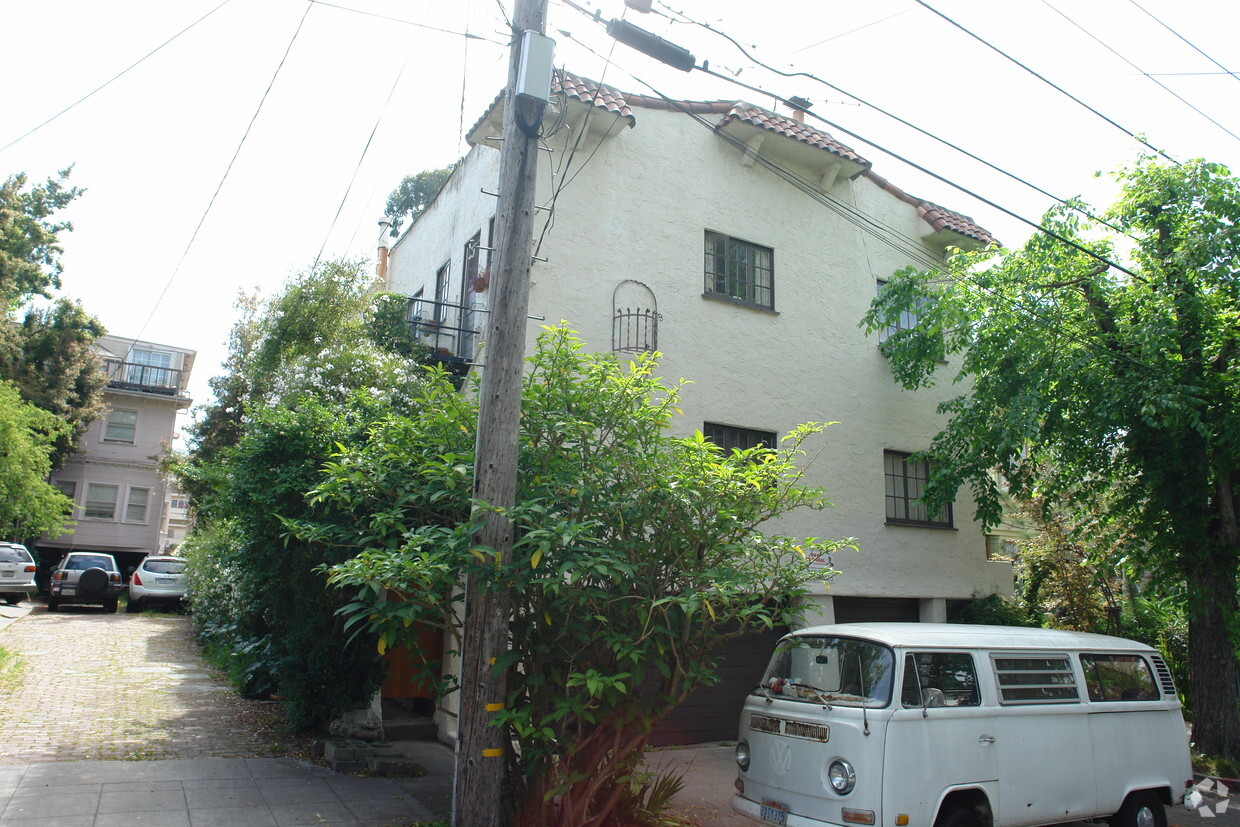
[{"x": 945, "y": 725}]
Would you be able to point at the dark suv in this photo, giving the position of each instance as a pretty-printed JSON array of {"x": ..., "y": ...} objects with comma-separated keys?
[{"x": 89, "y": 577}]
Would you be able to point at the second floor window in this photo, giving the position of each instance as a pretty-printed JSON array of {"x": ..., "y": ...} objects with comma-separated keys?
[
  {"x": 740, "y": 270},
  {"x": 905, "y": 483},
  {"x": 149, "y": 367},
  {"x": 100, "y": 501},
  {"x": 135, "y": 505},
  {"x": 121, "y": 426}
]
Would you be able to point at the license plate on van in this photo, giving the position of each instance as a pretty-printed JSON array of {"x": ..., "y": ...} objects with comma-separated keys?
[{"x": 774, "y": 812}]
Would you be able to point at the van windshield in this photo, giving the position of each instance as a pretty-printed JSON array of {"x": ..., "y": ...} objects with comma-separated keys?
[{"x": 838, "y": 671}]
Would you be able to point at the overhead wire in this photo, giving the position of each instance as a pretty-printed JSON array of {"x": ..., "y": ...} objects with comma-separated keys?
[
  {"x": 362, "y": 157},
  {"x": 1151, "y": 78},
  {"x": 114, "y": 78},
  {"x": 1072, "y": 205},
  {"x": 1138, "y": 138},
  {"x": 936, "y": 267},
  {"x": 220, "y": 186},
  {"x": 1192, "y": 45},
  {"x": 468, "y": 35}
]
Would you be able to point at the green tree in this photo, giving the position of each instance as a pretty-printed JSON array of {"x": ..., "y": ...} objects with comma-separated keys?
[
  {"x": 1086, "y": 383},
  {"x": 636, "y": 555},
  {"x": 307, "y": 373},
  {"x": 413, "y": 194},
  {"x": 50, "y": 357},
  {"x": 28, "y": 504},
  {"x": 29, "y": 244}
]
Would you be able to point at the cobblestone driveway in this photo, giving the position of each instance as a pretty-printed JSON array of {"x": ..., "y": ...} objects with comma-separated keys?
[{"x": 120, "y": 686}]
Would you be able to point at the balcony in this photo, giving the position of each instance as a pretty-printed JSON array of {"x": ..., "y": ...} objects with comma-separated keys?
[
  {"x": 449, "y": 331},
  {"x": 131, "y": 376}
]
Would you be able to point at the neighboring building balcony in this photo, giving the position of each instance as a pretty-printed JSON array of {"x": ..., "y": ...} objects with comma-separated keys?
[{"x": 132, "y": 376}]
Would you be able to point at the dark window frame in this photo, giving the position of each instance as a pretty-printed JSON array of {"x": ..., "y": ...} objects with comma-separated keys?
[
  {"x": 741, "y": 282},
  {"x": 902, "y": 493},
  {"x": 733, "y": 437}
]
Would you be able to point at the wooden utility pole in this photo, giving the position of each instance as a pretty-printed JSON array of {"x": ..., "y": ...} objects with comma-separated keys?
[{"x": 480, "y": 748}]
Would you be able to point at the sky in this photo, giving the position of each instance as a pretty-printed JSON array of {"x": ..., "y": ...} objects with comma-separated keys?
[{"x": 268, "y": 133}]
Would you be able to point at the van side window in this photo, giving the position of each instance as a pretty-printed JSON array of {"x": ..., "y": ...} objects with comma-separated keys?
[
  {"x": 1035, "y": 679},
  {"x": 939, "y": 679},
  {"x": 1118, "y": 678}
]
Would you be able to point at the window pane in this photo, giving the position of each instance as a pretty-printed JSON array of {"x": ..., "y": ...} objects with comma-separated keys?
[
  {"x": 740, "y": 270},
  {"x": 940, "y": 679},
  {"x": 121, "y": 426},
  {"x": 101, "y": 501},
  {"x": 1035, "y": 680},
  {"x": 1118, "y": 678},
  {"x": 135, "y": 508},
  {"x": 905, "y": 483}
]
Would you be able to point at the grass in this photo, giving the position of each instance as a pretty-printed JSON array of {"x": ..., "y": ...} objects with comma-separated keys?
[
  {"x": 11, "y": 669},
  {"x": 1215, "y": 766}
]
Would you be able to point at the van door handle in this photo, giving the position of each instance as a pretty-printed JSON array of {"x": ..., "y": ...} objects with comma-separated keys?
[{"x": 986, "y": 739}]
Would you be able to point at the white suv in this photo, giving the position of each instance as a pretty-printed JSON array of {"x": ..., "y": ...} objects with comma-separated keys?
[
  {"x": 157, "y": 580},
  {"x": 86, "y": 577},
  {"x": 17, "y": 570}
]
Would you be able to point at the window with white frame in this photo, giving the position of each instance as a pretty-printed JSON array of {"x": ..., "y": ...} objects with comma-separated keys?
[
  {"x": 100, "y": 501},
  {"x": 149, "y": 367},
  {"x": 66, "y": 487},
  {"x": 905, "y": 482},
  {"x": 135, "y": 504},
  {"x": 740, "y": 271},
  {"x": 121, "y": 426}
]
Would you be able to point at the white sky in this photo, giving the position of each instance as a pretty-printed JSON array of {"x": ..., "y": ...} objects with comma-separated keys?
[{"x": 152, "y": 147}]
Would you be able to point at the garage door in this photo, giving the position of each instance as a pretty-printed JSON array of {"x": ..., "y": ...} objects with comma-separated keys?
[{"x": 712, "y": 713}]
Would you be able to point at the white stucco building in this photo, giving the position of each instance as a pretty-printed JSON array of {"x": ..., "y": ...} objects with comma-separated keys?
[
  {"x": 119, "y": 494},
  {"x": 745, "y": 246}
]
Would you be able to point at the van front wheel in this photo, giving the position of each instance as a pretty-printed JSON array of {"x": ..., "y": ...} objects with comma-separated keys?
[
  {"x": 968, "y": 815},
  {"x": 1141, "y": 809}
]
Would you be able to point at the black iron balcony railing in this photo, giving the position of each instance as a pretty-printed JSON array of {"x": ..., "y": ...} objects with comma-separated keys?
[
  {"x": 132, "y": 376},
  {"x": 449, "y": 330}
]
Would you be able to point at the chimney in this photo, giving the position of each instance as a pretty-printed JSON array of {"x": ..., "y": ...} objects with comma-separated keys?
[
  {"x": 381, "y": 267},
  {"x": 798, "y": 107}
]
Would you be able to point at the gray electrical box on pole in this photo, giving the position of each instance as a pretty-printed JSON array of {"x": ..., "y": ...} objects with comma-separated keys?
[{"x": 478, "y": 799}]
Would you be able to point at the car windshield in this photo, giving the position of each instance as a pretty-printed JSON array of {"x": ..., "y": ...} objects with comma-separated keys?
[
  {"x": 164, "y": 566},
  {"x": 837, "y": 671},
  {"x": 82, "y": 562}
]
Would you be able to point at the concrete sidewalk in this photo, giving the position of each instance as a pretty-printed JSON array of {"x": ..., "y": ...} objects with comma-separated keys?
[{"x": 219, "y": 792}]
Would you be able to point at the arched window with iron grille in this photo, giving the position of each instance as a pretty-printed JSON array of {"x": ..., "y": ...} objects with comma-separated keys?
[{"x": 634, "y": 318}]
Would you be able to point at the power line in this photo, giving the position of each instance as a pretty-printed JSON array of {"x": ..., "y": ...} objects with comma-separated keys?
[
  {"x": 361, "y": 158},
  {"x": 220, "y": 186},
  {"x": 114, "y": 78},
  {"x": 467, "y": 35},
  {"x": 1075, "y": 206},
  {"x": 1049, "y": 83},
  {"x": 1151, "y": 15},
  {"x": 1152, "y": 79}
]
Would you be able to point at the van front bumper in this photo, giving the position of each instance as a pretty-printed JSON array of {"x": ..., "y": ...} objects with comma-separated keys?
[{"x": 752, "y": 809}]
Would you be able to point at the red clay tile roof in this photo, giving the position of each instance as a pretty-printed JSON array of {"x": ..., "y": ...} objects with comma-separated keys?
[
  {"x": 619, "y": 103},
  {"x": 587, "y": 91},
  {"x": 790, "y": 128},
  {"x": 940, "y": 218}
]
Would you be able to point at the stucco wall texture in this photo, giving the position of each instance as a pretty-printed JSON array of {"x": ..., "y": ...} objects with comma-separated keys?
[{"x": 637, "y": 208}]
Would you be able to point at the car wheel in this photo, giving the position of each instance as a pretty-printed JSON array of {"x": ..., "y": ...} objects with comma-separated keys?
[
  {"x": 111, "y": 606},
  {"x": 13, "y": 599},
  {"x": 1142, "y": 808},
  {"x": 133, "y": 606},
  {"x": 52, "y": 604}
]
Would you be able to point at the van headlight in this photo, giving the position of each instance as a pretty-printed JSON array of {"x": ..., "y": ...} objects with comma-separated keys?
[
  {"x": 842, "y": 776},
  {"x": 742, "y": 755}
]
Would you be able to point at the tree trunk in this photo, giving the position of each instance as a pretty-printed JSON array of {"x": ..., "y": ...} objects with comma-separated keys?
[{"x": 1212, "y": 656}]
